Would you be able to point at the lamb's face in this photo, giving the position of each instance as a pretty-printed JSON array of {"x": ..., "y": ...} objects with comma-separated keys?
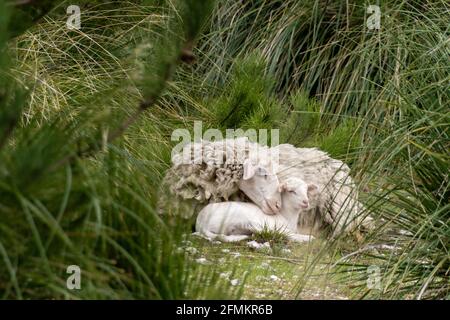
[
  {"x": 296, "y": 193},
  {"x": 261, "y": 185}
]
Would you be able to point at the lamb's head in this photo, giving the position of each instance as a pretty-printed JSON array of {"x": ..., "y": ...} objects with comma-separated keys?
[
  {"x": 260, "y": 183},
  {"x": 296, "y": 193}
]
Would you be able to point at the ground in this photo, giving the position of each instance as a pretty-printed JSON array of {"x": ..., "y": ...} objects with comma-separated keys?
[{"x": 277, "y": 272}]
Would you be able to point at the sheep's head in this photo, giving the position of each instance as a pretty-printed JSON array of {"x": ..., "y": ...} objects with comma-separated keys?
[
  {"x": 260, "y": 183},
  {"x": 296, "y": 193}
]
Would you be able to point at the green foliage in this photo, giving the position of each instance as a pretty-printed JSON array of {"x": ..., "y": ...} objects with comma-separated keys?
[
  {"x": 306, "y": 125},
  {"x": 383, "y": 109},
  {"x": 247, "y": 101},
  {"x": 95, "y": 211},
  {"x": 25, "y": 15},
  {"x": 302, "y": 123},
  {"x": 274, "y": 237},
  {"x": 377, "y": 100},
  {"x": 342, "y": 142},
  {"x": 194, "y": 15}
]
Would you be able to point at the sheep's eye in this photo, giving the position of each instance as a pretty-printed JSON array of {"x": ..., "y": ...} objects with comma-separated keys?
[
  {"x": 265, "y": 176},
  {"x": 261, "y": 172},
  {"x": 292, "y": 191}
]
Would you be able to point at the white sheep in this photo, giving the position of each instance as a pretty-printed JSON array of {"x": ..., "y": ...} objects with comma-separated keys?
[
  {"x": 214, "y": 171},
  {"x": 335, "y": 206},
  {"x": 236, "y": 221}
]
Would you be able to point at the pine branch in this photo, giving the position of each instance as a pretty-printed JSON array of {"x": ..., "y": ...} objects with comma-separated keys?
[
  {"x": 185, "y": 55},
  {"x": 193, "y": 15},
  {"x": 145, "y": 104}
]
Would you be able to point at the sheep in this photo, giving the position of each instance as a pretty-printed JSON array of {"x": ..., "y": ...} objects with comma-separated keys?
[
  {"x": 236, "y": 221},
  {"x": 216, "y": 171},
  {"x": 335, "y": 206},
  {"x": 335, "y": 209},
  {"x": 216, "y": 174}
]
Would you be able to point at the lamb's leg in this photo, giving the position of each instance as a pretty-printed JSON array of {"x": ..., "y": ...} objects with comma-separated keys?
[
  {"x": 205, "y": 235},
  {"x": 233, "y": 238},
  {"x": 300, "y": 237},
  {"x": 208, "y": 235}
]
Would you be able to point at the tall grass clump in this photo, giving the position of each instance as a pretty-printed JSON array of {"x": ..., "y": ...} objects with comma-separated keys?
[
  {"x": 86, "y": 118},
  {"x": 72, "y": 190},
  {"x": 407, "y": 155},
  {"x": 382, "y": 97}
]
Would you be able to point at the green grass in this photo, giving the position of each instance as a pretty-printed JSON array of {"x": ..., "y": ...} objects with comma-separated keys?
[
  {"x": 96, "y": 212},
  {"x": 273, "y": 274},
  {"x": 377, "y": 100},
  {"x": 268, "y": 235}
]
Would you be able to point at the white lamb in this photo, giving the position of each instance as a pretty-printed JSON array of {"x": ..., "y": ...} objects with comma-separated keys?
[{"x": 236, "y": 221}]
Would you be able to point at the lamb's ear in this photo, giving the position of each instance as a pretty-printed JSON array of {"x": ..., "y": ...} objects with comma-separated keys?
[
  {"x": 312, "y": 188},
  {"x": 249, "y": 170}
]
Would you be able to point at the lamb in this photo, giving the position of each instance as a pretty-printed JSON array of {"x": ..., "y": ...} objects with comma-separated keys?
[{"x": 236, "y": 221}]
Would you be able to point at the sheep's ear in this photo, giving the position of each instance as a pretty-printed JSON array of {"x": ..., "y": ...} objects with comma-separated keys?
[
  {"x": 249, "y": 170},
  {"x": 312, "y": 188},
  {"x": 282, "y": 187}
]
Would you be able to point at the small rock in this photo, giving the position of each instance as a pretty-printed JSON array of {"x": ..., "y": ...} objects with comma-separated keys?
[
  {"x": 274, "y": 278},
  {"x": 256, "y": 245},
  {"x": 405, "y": 232},
  {"x": 202, "y": 260},
  {"x": 191, "y": 250},
  {"x": 234, "y": 282},
  {"x": 186, "y": 243},
  {"x": 236, "y": 254}
]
